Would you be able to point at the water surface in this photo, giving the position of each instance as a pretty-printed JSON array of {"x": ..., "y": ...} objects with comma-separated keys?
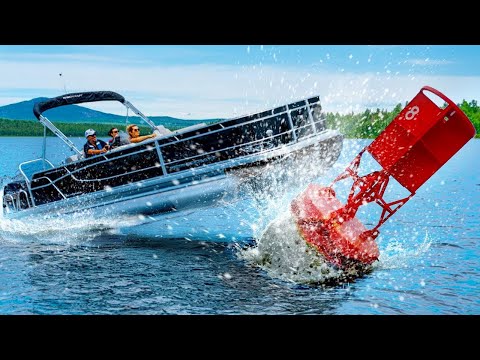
[{"x": 429, "y": 261}]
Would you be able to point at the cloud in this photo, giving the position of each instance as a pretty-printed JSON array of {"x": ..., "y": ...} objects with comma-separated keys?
[{"x": 211, "y": 91}]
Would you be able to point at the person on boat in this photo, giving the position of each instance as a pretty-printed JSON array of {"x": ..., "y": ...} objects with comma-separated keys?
[
  {"x": 115, "y": 140},
  {"x": 94, "y": 146},
  {"x": 134, "y": 134}
]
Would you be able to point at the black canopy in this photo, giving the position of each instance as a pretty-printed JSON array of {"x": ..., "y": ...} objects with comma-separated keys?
[{"x": 75, "y": 98}]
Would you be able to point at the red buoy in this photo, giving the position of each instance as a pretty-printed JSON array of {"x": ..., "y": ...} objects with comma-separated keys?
[{"x": 418, "y": 142}]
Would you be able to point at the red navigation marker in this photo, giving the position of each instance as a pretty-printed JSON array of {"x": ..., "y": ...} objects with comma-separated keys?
[{"x": 418, "y": 142}]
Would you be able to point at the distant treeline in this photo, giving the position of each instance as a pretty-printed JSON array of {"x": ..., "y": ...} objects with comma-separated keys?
[
  {"x": 368, "y": 124},
  {"x": 35, "y": 128}
]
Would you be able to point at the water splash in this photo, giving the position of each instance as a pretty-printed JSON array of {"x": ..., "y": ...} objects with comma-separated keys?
[
  {"x": 283, "y": 254},
  {"x": 396, "y": 255},
  {"x": 76, "y": 228},
  {"x": 280, "y": 250}
]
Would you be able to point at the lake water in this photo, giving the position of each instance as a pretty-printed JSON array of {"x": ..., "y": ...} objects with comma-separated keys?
[{"x": 429, "y": 262}]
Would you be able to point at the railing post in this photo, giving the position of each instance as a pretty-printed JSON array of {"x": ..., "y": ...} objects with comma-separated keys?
[
  {"x": 44, "y": 146},
  {"x": 310, "y": 117},
  {"x": 290, "y": 122},
  {"x": 160, "y": 157}
]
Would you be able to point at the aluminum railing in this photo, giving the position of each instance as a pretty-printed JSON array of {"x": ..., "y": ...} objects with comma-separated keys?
[{"x": 155, "y": 145}]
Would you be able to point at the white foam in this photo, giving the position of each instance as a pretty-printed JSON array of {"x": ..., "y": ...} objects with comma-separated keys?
[
  {"x": 397, "y": 254},
  {"x": 73, "y": 228},
  {"x": 284, "y": 254}
]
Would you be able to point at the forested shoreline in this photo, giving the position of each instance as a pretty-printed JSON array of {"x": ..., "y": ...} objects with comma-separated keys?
[
  {"x": 35, "y": 128},
  {"x": 368, "y": 124}
]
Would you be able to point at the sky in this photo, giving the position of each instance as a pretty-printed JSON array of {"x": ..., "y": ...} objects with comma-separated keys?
[{"x": 222, "y": 81}]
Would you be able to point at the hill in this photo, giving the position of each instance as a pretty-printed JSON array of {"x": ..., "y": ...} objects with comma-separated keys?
[{"x": 79, "y": 114}]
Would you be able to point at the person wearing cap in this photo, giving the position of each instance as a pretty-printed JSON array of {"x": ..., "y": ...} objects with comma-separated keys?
[{"x": 94, "y": 146}]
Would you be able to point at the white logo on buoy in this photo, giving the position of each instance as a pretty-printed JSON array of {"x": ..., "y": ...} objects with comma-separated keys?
[{"x": 410, "y": 114}]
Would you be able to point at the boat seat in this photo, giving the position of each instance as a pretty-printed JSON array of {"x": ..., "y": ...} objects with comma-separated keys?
[
  {"x": 121, "y": 147},
  {"x": 161, "y": 130},
  {"x": 189, "y": 128},
  {"x": 75, "y": 157}
]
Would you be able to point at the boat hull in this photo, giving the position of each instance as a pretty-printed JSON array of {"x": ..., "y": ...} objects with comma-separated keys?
[{"x": 208, "y": 204}]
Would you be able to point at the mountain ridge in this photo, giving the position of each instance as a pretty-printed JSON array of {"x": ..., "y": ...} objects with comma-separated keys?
[{"x": 23, "y": 111}]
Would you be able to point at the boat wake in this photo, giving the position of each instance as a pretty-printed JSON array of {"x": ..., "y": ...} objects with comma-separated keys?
[{"x": 75, "y": 229}]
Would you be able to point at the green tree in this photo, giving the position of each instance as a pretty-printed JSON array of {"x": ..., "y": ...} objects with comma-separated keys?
[{"x": 472, "y": 110}]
